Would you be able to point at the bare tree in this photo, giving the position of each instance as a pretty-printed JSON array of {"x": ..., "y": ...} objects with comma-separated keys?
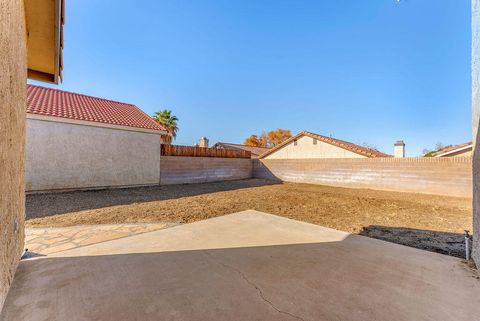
[{"x": 368, "y": 145}]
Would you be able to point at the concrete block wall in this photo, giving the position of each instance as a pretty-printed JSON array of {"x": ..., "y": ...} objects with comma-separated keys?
[
  {"x": 13, "y": 78},
  {"x": 443, "y": 176},
  {"x": 184, "y": 170}
]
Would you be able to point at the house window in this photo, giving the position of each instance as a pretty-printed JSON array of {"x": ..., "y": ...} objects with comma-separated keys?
[
  {"x": 314, "y": 141},
  {"x": 295, "y": 142}
]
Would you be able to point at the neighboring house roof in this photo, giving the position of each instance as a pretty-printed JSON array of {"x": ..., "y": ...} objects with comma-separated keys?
[
  {"x": 58, "y": 103},
  {"x": 361, "y": 150},
  {"x": 453, "y": 149},
  {"x": 254, "y": 150}
]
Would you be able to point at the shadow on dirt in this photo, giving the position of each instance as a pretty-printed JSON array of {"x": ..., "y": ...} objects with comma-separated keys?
[
  {"x": 439, "y": 242},
  {"x": 42, "y": 205}
]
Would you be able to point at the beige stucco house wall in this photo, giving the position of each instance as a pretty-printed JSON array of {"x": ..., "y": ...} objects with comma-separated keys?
[
  {"x": 305, "y": 147},
  {"x": 461, "y": 153},
  {"x": 30, "y": 44},
  {"x": 71, "y": 154},
  {"x": 467, "y": 153},
  {"x": 13, "y": 75}
]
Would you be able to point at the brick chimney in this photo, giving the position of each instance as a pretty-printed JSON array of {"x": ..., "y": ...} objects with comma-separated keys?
[
  {"x": 203, "y": 142},
  {"x": 399, "y": 149}
]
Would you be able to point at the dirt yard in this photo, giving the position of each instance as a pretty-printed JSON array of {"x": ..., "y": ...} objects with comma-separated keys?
[{"x": 434, "y": 223}]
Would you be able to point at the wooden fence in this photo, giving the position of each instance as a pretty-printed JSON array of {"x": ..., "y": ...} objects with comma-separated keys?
[{"x": 192, "y": 151}]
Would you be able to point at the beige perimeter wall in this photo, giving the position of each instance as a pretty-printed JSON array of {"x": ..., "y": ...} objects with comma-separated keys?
[
  {"x": 443, "y": 176},
  {"x": 183, "y": 170},
  {"x": 13, "y": 77},
  {"x": 71, "y": 156}
]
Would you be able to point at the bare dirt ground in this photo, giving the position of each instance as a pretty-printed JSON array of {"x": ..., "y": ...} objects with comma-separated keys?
[{"x": 429, "y": 222}]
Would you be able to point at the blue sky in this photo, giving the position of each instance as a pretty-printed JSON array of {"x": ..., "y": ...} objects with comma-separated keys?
[{"x": 370, "y": 71}]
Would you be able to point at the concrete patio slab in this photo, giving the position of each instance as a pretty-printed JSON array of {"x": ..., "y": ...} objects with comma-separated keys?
[{"x": 244, "y": 266}]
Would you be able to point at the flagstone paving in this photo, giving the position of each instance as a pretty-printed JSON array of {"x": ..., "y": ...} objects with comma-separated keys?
[{"x": 46, "y": 241}]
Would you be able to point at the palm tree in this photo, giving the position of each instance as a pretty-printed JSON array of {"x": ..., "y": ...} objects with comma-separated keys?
[{"x": 169, "y": 121}]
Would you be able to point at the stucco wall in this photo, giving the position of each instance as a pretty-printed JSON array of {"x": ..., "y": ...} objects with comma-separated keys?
[
  {"x": 305, "y": 148},
  {"x": 467, "y": 153},
  {"x": 13, "y": 75},
  {"x": 71, "y": 156},
  {"x": 475, "y": 124},
  {"x": 443, "y": 176},
  {"x": 183, "y": 170}
]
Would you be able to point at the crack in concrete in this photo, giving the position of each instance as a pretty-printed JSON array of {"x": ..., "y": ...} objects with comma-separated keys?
[{"x": 260, "y": 292}]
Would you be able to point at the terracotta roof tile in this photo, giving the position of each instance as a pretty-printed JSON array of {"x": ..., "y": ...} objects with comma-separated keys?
[
  {"x": 254, "y": 150},
  {"x": 361, "y": 150},
  {"x": 59, "y": 103}
]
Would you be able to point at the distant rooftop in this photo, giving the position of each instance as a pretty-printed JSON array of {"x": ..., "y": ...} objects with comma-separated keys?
[
  {"x": 361, "y": 150},
  {"x": 254, "y": 150},
  {"x": 452, "y": 149}
]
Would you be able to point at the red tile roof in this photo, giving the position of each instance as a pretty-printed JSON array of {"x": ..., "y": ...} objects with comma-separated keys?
[
  {"x": 452, "y": 149},
  {"x": 58, "y": 103},
  {"x": 254, "y": 150},
  {"x": 365, "y": 151}
]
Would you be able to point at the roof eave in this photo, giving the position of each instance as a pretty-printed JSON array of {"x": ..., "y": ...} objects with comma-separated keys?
[{"x": 45, "y": 39}]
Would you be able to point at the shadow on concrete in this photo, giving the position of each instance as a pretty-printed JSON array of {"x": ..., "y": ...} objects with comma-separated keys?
[
  {"x": 439, "y": 242},
  {"x": 351, "y": 279},
  {"x": 42, "y": 205},
  {"x": 29, "y": 255}
]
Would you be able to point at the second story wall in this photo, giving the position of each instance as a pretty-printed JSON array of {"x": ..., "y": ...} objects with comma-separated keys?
[{"x": 62, "y": 155}]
